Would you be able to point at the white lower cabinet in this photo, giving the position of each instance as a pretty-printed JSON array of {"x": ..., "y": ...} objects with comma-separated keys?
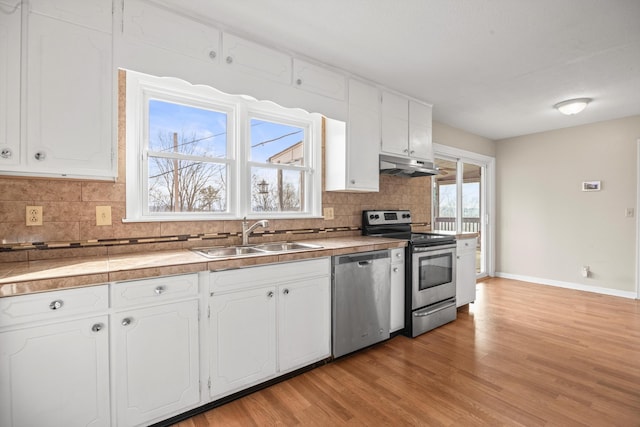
[
  {"x": 397, "y": 290},
  {"x": 243, "y": 339},
  {"x": 465, "y": 271},
  {"x": 54, "y": 372},
  {"x": 155, "y": 350},
  {"x": 267, "y": 320}
]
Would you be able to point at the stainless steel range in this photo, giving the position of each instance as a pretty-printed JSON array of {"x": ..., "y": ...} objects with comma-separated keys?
[{"x": 430, "y": 269}]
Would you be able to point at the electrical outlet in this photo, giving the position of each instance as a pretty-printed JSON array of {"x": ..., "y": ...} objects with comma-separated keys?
[
  {"x": 103, "y": 215},
  {"x": 34, "y": 215},
  {"x": 328, "y": 213}
]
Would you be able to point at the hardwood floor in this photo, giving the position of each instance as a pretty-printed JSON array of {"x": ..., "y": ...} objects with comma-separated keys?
[{"x": 523, "y": 354}]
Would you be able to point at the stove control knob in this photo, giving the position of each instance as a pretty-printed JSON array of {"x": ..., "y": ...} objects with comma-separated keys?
[
  {"x": 377, "y": 216},
  {"x": 372, "y": 216}
]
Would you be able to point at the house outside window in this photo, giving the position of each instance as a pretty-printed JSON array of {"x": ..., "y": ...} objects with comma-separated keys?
[{"x": 196, "y": 153}]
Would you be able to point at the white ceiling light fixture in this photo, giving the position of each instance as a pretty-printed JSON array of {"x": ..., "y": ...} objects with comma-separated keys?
[{"x": 572, "y": 106}]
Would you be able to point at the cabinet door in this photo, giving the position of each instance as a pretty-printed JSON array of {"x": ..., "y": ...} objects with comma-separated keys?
[
  {"x": 465, "y": 271},
  {"x": 363, "y": 143},
  {"x": 397, "y": 290},
  {"x": 94, "y": 14},
  {"x": 304, "y": 323},
  {"x": 158, "y": 27},
  {"x": 69, "y": 95},
  {"x": 156, "y": 361},
  {"x": 317, "y": 79},
  {"x": 395, "y": 124},
  {"x": 55, "y": 375},
  {"x": 243, "y": 339},
  {"x": 9, "y": 84},
  {"x": 420, "y": 143},
  {"x": 259, "y": 61}
]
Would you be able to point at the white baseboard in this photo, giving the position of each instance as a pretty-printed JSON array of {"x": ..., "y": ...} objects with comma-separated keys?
[{"x": 568, "y": 285}]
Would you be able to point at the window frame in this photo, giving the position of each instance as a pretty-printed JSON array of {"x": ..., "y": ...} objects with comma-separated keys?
[{"x": 140, "y": 88}]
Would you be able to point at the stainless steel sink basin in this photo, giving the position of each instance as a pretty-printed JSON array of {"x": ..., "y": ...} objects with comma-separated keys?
[
  {"x": 286, "y": 246},
  {"x": 230, "y": 251},
  {"x": 266, "y": 248}
]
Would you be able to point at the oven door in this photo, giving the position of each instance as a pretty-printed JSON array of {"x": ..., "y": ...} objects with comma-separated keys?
[{"x": 433, "y": 274}]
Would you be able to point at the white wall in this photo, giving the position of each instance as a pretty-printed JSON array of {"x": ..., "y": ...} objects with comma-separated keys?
[
  {"x": 458, "y": 138},
  {"x": 547, "y": 227}
]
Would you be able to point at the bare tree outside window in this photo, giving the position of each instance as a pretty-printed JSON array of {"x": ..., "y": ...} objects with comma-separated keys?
[{"x": 177, "y": 185}]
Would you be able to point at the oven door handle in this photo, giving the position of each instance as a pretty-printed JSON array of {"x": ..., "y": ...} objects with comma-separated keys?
[{"x": 438, "y": 307}]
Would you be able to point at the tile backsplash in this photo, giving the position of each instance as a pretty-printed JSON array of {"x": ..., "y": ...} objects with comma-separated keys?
[{"x": 69, "y": 211}]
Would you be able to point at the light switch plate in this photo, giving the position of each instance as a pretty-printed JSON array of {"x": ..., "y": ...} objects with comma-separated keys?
[{"x": 103, "y": 215}]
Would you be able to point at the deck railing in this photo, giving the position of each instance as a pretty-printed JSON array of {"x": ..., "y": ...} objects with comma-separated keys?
[{"x": 469, "y": 225}]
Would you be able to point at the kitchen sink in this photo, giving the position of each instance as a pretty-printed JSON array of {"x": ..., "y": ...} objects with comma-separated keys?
[
  {"x": 285, "y": 246},
  {"x": 264, "y": 249},
  {"x": 231, "y": 251}
]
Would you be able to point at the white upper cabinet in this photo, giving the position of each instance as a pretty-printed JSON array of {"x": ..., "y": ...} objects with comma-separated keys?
[
  {"x": 420, "y": 142},
  {"x": 254, "y": 59},
  {"x": 67, "y": 128},
  {"x": 69, "y": 99},
  {"x": 406, "y": 127},
  {"x": 9, "y": 83},
  {"x": 152, "y": 25},
  {"x": 94, "y": 14},
  {"x": 395, "y": 124},
  {"x": 352, "y": 153},
  {"x": 320, "y": 80}
]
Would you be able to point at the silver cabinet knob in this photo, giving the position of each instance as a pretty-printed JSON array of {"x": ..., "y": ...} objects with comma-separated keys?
[
  {"x": 353, "y": 181},
  {"x": 412, "y": 151},
  {"x": 229, "y": 60},
  {"x": 159, "y": 290},
  {"x": 285, "y": 291},
  {"x": 395, "y": 269},
  {"x": 97, "y": 327},
  {"x": 398, "y": 255},
  {"x": 299, "y": 82},
  {"x": 212, "y": 54},
  {"x": 270, "y": 294},
  {"x": 40, "y": 155},
  {"x": 406, "y": 150},
  {"x": 126, "y": 321},
  {"x": 6, "y": 153},
  {"x": 56, "y": 305}
]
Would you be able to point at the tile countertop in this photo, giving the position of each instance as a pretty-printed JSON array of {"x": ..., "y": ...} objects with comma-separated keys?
[{"x": 18, "y": 278}]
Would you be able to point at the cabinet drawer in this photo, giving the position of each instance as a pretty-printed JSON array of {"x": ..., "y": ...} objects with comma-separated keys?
[
  {"x": 251, "y": 277},
  {"x": 397, "y": 256},
  {"x": 48, "y": 306},
  {"x": 160, "y": 289},
  {"x": 466, "y": 245}
]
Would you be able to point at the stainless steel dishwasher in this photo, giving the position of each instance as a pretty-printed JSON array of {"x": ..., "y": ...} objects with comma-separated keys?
[{"x": 361, "y": 291}]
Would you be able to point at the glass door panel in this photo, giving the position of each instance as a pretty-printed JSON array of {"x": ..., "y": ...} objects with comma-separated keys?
[{"x": 445, "y": 196}]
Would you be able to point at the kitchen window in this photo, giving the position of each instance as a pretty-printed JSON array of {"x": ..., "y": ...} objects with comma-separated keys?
[{"x": 196, "y": 153}]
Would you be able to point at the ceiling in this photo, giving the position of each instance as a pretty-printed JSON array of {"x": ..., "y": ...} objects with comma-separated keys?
[{"x": 494, "y": 68}]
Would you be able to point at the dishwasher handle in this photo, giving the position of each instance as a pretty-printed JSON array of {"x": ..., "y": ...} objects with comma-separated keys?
[{"x": 362, "y": 259}]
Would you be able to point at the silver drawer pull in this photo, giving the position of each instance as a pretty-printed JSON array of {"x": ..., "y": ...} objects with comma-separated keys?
[
  {"x": 126, "y": 321},
  {"x": 159, "y": 290},
  {"x": 97, "y": 327},
  {"x": 285, "y": 291},
  {"x": 270, "y": 294},
  {"x": 6, "y": 153},
  {"x": 56, "y": 305}
]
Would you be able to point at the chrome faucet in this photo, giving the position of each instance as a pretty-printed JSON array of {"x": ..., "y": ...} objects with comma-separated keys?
[{"x": 246, "y": 230}]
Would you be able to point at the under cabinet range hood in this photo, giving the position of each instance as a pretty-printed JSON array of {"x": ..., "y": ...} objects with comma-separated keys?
[{"x": 403, "y": 166}]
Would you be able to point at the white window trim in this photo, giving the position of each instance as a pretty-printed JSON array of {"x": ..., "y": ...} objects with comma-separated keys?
[{"x": 140, "y": 87}]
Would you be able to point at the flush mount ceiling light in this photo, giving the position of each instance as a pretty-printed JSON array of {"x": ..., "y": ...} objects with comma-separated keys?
[{"x": 572, "y": 106}]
